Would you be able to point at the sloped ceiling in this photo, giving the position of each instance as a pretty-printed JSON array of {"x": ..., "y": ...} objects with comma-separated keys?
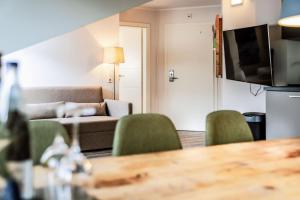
[
  {"x": 165, "y": 4},
  {"x": 26, "y": 22}
]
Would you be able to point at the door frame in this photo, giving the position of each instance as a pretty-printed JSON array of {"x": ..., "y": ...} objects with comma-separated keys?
[
  {"x": 146, "y": 71},
  {"x": 216, "y": 84}
]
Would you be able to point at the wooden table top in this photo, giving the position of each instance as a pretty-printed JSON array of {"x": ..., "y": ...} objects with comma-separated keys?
[{"x": 257, "y": 170}]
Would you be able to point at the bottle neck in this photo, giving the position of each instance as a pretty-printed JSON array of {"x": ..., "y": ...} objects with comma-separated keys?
[
  {"x": 11, "y": 76},
  {"x": 14, "y": 89},
  {"x": 0, "y": 68},
  {"x": 11, "y": 98}
]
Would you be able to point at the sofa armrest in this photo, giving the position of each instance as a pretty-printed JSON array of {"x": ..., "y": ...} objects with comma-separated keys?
[{"x": 118, "y": 108}]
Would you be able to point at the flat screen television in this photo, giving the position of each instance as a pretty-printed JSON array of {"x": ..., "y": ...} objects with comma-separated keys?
[
  {"x": 247, "y": 55},
  {"x": 285, "y": 49}
]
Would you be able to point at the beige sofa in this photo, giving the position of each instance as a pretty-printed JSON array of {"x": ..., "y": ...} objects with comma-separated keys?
[{"x": 95, "y": 132}]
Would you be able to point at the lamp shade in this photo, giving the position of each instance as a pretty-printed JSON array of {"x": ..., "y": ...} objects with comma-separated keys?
[
  {"x": 290, "y": 14},
  {"x": 113, "y": 55}
]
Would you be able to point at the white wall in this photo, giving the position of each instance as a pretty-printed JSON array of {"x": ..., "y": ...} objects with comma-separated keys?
[
  {"x": 267, "y": 11},
  {"x": 238, "y": 16},
  {"x": 72, "y": 59},
  {"x": 147, "y": 16},
  {"x": 236, "y": 95},
  {"x": 157, "y": 19},
  {"x": 25, "y": 23}
]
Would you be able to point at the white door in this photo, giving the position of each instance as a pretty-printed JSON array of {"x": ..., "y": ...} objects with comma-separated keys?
[
  {"x": 130, "y": 72},
  {"x": 189, "y": 52}
]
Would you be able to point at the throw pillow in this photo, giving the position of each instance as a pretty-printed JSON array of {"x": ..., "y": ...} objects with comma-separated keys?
[
  {"x": 100, "y": 109},
  {"x": 42, "y": 110}
]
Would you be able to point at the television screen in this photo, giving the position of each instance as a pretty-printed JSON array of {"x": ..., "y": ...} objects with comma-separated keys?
[
  {"x": 247, "y": 55},
  {"x": 285, "y": 49}
]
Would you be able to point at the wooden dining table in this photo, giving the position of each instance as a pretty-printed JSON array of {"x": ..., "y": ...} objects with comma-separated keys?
[{"x": 256, "y": 170}]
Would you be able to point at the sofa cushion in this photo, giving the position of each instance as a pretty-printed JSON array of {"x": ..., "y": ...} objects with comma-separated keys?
[
  {"x": 92, "y": 94},
  {"x": 42, "y": 110},
  {"x": 90, "y": 124},
  {"x": 99, "y": 107}
]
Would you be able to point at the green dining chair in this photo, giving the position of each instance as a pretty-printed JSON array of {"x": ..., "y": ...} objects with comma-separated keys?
[
  {"x": 227, "y": 126},
  {"x": 43, "y": 133},
  {"x": 145, "y": 133}
]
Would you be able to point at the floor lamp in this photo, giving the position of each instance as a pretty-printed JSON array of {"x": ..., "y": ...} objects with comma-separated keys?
[{"x": 115, "y": 56}]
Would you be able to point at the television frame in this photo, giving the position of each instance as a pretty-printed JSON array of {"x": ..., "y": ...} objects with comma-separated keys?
[{"x": 270, "y": 54}]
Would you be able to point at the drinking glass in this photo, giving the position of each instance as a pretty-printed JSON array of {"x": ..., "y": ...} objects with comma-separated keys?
[
  {"x": 63, "y": 161},
  {"x": 74, "y": 160}
]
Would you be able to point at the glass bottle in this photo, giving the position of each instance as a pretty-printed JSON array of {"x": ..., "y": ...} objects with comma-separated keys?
[{"x": 18, "y": 155}]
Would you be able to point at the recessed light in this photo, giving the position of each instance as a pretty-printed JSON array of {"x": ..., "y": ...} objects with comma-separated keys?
[{"x": 236, "y": 2}]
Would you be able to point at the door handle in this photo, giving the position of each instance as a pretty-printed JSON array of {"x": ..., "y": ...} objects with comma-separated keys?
[
  {"x": 172, "y": 77},
  {"x": 294, "y": 97}
]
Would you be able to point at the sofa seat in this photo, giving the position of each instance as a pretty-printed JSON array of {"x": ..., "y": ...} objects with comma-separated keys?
[
  {"x": 96, "y": 132},
  {"x": 91, "y": 123}
]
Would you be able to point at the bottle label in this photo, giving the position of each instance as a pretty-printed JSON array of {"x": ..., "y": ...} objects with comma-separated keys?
[{"x": 22, "y": 173}]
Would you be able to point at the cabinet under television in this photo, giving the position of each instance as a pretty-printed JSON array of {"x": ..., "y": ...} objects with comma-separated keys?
[
  {"x": 283, "y": 103},
  {"x": 282, "y": 112}
]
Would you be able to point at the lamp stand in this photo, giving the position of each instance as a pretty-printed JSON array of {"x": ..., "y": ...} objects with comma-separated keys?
[{"x": 115, "y": 81}]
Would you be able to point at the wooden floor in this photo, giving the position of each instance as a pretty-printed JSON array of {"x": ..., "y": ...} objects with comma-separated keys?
[
  {"x": 191, "y": 139},
  {"x": 188, "y": 139}
]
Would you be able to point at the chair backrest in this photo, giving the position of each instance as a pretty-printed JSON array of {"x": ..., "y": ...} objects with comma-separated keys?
[
  {"x": 227, "y": 126},
  {"x": 42, "y": 135},
  {"x": 145, "y": 133}
]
